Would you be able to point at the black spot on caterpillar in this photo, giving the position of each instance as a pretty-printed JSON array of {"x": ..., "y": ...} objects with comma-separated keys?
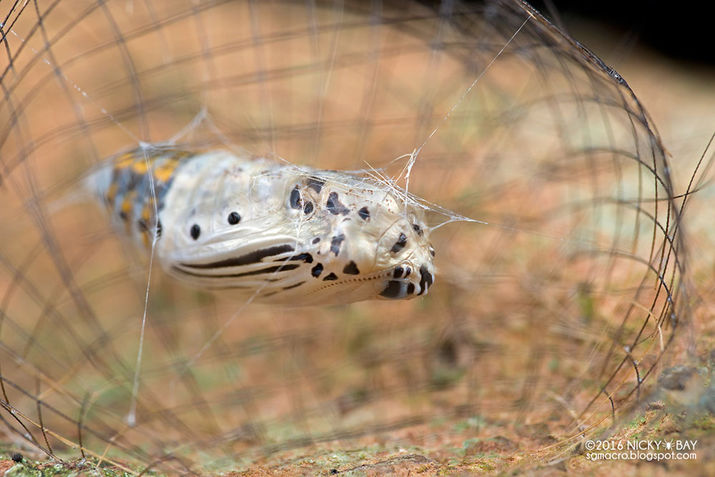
[
  {"x": 351, "y": 268},
  {"x": 335, "y": 243},
  {"x": 315, "y": 184},
  {"x": 295, "y": 201},
  {"x": 234, "y": 218},
  {"x": 335, "y": 206},
  {"x": 426, "y": 280},
  {"x": 393, "y": 289},
  {"x": 400, "y": 244},
  {"x": 317, "y": 270},
  {"x": 195, "y": 231}
]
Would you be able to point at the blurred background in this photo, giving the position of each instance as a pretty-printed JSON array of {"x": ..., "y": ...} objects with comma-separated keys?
[
  {"x": 679, "y": 33},
  {"x": 582, "y": 310}
]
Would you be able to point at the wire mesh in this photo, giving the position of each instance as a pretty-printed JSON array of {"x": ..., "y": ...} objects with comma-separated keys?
[{"x": 554, "y": 313}]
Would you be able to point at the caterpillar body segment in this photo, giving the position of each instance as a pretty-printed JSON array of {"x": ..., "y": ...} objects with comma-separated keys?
[{"x": 274, "y": 230}]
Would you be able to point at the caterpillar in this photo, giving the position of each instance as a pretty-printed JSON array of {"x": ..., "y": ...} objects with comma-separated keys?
[{"x": 285, "y": 234}]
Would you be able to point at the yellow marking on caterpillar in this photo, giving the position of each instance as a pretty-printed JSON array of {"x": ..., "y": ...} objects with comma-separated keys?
[
  {"x": 146, "y": 226},
  {"x": 164, "y": 172},
  {"x": 140, "y": 167},
  {"x": 125, "y": 160},
  {"x": 126, "y": 209},
  {"x": 111, "y": 193}
]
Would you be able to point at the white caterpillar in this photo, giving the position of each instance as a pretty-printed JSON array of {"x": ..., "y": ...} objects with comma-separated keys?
[{"x": 283, "y": 233}]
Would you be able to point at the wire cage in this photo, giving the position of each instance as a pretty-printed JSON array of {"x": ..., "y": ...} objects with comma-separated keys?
[{"x": 561, "y": 269}]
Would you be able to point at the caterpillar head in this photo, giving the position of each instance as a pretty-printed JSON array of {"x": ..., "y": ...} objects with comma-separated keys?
[
  {"x": 405, "y": 251},
  {"x": 377, "y": 246}
]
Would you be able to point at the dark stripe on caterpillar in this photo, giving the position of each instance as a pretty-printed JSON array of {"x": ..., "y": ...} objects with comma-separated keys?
[
  {"x": 277, "y": 268},
  {"x": 247, "y": 259},
  {"x": 294, "y": 285},
  {"x": 301, "y": 257}
]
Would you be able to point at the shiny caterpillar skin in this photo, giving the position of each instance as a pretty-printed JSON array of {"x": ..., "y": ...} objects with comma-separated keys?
[{"x": 271, "y": 230}]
